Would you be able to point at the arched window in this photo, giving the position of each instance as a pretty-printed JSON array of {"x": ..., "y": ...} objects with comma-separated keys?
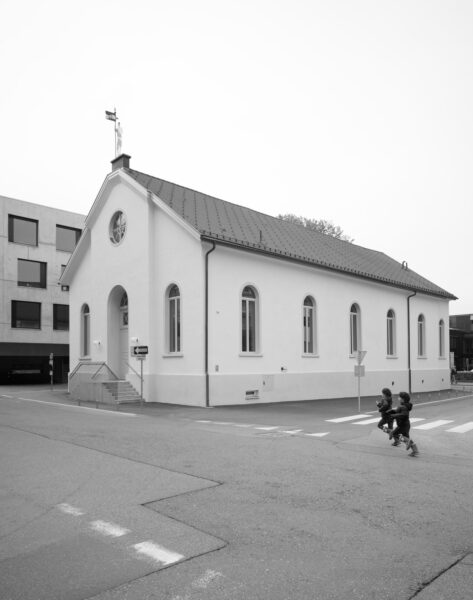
[
  {"x": 248, "y": 319},
  {"x": 441, "y": 338},
  {"x": 355, "y": 329},
  {"x": 421, "y": 335},
  {"x": 85, "y": 330},
  {"x": 174, "y": 319},
  {"x": 390, "y": 333},
  {"x": 308, "y": 325}
]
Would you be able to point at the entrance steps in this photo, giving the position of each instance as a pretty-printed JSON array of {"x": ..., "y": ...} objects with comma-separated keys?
[{"x": 120, "y": 392}]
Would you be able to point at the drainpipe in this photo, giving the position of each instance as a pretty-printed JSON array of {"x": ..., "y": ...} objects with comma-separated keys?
[
  {"x": 207, "y": 379},
  {"x": 409, "y": 340}
]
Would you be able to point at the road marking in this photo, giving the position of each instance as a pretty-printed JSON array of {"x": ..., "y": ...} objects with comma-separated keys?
[
  {"x": 109, "y": 528},
  {"x": 202, "y": 421},
  {"x": 344, "y": 419},
  {"x": 157, "y": 553},
  {"x": 317, "y": 434},
  {"x": 462, "y": 428},
  {"x": 99, "y": 410},
  {"x": 206, "y": 578},
  {"x": 367, "y": 422},
  {"x": 292, "y": 431},
  {"x": 70, "y": 510},
  {"x": 416, "y": 419},
  {"x": 267, "y": 428},
  {"x": 433, "y": 424}
]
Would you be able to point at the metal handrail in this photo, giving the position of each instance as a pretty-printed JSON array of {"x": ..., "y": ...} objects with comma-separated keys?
[
  {"x": 134, "y": 371},
  {"x": 104, "y": 364}
]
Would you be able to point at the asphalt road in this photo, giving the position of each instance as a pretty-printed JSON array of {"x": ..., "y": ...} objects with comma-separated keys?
[{"x": 291, "y": 501}]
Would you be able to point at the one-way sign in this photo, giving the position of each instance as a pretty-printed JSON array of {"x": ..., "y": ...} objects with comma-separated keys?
[{"x": 139, "y": 350}]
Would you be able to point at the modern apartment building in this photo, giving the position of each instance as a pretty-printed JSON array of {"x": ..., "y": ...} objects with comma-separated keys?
[{"x": 36, "y": 243}]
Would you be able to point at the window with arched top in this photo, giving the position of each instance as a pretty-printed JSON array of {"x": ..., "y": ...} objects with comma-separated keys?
[
  {"x": 441, "y": 338},
  {"x": 85, "y": 330},
  {"x": 174, "y": 319},
  {"x": 390, "y": 333},
  {"x": 249, "y": 315},
  {"x": 355, "y": 329},
  {"x": 308, "y": 326},
  {"x": 421, "y": 335}
]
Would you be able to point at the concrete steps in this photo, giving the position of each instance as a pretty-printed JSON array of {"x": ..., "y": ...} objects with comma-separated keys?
[{"x": 120, "y": 392}]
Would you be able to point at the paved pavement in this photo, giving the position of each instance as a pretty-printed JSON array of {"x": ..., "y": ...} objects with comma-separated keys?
[{"x": 264, "y": 526}]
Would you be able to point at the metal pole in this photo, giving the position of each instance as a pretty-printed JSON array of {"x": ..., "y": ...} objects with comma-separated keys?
[
  {"x": 141, "y": 384},
  {"x": 115, "y": 127},
  {"x": 359, "y": 398}
]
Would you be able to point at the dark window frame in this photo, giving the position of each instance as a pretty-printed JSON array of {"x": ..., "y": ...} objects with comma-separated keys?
[
  {"x": 77, "y": 231},
  {"x": 14, "y": 317},
  {"x": 11, "y": 229},
  {"x": 57, "y": 321},
  {"x": 43, "y": 274}
]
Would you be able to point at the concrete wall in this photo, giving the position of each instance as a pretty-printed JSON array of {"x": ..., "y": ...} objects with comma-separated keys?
[{"x": 46, "y": 252}]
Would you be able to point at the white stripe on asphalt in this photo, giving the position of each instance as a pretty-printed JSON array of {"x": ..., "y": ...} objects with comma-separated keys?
[
  {"x": 317, "y": 434},
  {"x": 157, "y": 553},
  {"x": 433, "y": 424},
  {"x": 292, "y": 431},
  {"x": 99, "y": 410},
  {"x": 462, "y": 428},
  {"x": 109, "y": 528},
  {"x": 343, "y": 419},
  {"x": 416, "y": 420},
  {"x": 367, "y": 422},
  {"x": 70, "y": 510},
  {"x": 266, "y": 428}
]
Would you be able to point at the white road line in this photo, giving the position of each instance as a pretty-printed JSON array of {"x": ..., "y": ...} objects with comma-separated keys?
[
  {"x": 244, "y": 424},
  {"x": 266, "y": 428},
  {"x": 109, "y": 528},
  {"x": 344, "y": 419},
  {"x": 96, "y": 410},
  {"x": 367, "y": 422},
  {"x": 317, "y": 434},
  {"x": 416, "y": 419},
  {"x": 70, "y": 510},
  {"x": 433, "y": 424},
  {"x": 157, "y": 553},
  {"x": 202, "y": 421},
  {"x": 462, "y": 428},
  {"x": 291, "y": 431}
]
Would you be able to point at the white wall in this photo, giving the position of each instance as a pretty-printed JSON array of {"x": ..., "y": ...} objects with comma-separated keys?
[{"x": 282, "y": 287}]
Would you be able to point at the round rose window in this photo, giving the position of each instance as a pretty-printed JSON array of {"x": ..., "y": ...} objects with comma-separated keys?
[{"x": 117, "y": 227}]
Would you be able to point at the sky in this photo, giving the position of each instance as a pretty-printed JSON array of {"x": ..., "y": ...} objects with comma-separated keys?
[{"x": 359, "y": 112}]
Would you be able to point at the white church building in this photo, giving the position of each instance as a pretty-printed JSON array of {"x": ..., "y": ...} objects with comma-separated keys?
[{"x": 234, "y": 306}]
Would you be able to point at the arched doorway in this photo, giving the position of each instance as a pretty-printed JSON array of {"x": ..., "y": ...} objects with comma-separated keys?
[{"x": 118, "y": 342}]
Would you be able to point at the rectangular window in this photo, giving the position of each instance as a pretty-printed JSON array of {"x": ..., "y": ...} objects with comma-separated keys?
[
  {"x": 66, "y": 238},
  {"x": 31, "y": 273},
  {"x": 61, "y": 317},
  {"x": 22, "y": 231},
  {"x": 25, "y": 315}
]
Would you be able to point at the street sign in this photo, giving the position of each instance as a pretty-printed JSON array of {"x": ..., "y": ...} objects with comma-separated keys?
[
  {"x": 139, "y": 350},
  {"x": 360, "y": 355},
  {"x": 359, "y": 370}
]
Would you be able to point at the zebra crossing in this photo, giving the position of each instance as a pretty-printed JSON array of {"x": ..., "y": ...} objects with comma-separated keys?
[
  {"x": 419, "y": 423},
  {"x": 364, "y": 419}
]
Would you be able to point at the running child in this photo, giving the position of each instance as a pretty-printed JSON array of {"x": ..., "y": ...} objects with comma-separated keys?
[{"x": 401, "y": 414}]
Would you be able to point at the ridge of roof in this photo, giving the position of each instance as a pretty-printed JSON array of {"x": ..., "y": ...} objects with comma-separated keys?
[{"x": 260, "y": 232}]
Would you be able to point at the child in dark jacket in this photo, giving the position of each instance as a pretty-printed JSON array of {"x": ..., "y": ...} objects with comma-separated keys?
[
  {"x": 401, "y": 414},
  {"x": 384, "y": 405}
]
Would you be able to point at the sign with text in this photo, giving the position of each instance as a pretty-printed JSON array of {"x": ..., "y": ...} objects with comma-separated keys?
[{"x": 139, "y": 350}]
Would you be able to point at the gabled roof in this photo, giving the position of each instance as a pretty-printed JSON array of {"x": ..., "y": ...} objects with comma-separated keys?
[{"x": 234, "y": 225}]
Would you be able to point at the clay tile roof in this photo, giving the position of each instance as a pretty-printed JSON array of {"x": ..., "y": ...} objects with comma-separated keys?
[{"x": 235, "y": 225}]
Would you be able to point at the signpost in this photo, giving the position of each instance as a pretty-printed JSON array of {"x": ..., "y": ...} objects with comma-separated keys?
[
  {"x": 140, "y": 353},
  {"x": 359, "y": 372},
  {"x": 51, "y": 368}
]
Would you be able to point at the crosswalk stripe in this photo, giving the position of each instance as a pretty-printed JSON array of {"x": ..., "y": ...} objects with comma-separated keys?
[
  {"x": 344, "y": 419},
  {"x": 433, "y": 424},
  {"x": 292, "y": 431},
  {"x": 317, "y": 434},
  {"x": 266, "y": 428},
  {"x": 462, "y": 428},
  {"x": 367, "y": 422},
  {"x": 416, "y": 419}
]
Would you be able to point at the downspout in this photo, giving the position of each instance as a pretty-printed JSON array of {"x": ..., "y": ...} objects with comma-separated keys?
[
  {"x": 409, "y": 340},
  {"x": 207, "y": 378}
]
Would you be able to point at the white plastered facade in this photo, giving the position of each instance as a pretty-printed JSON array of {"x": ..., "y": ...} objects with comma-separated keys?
[{"x": 160, "y": 249}]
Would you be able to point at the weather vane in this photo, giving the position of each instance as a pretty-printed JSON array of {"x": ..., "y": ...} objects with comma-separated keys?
[{"x": 112, "y": 116}]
